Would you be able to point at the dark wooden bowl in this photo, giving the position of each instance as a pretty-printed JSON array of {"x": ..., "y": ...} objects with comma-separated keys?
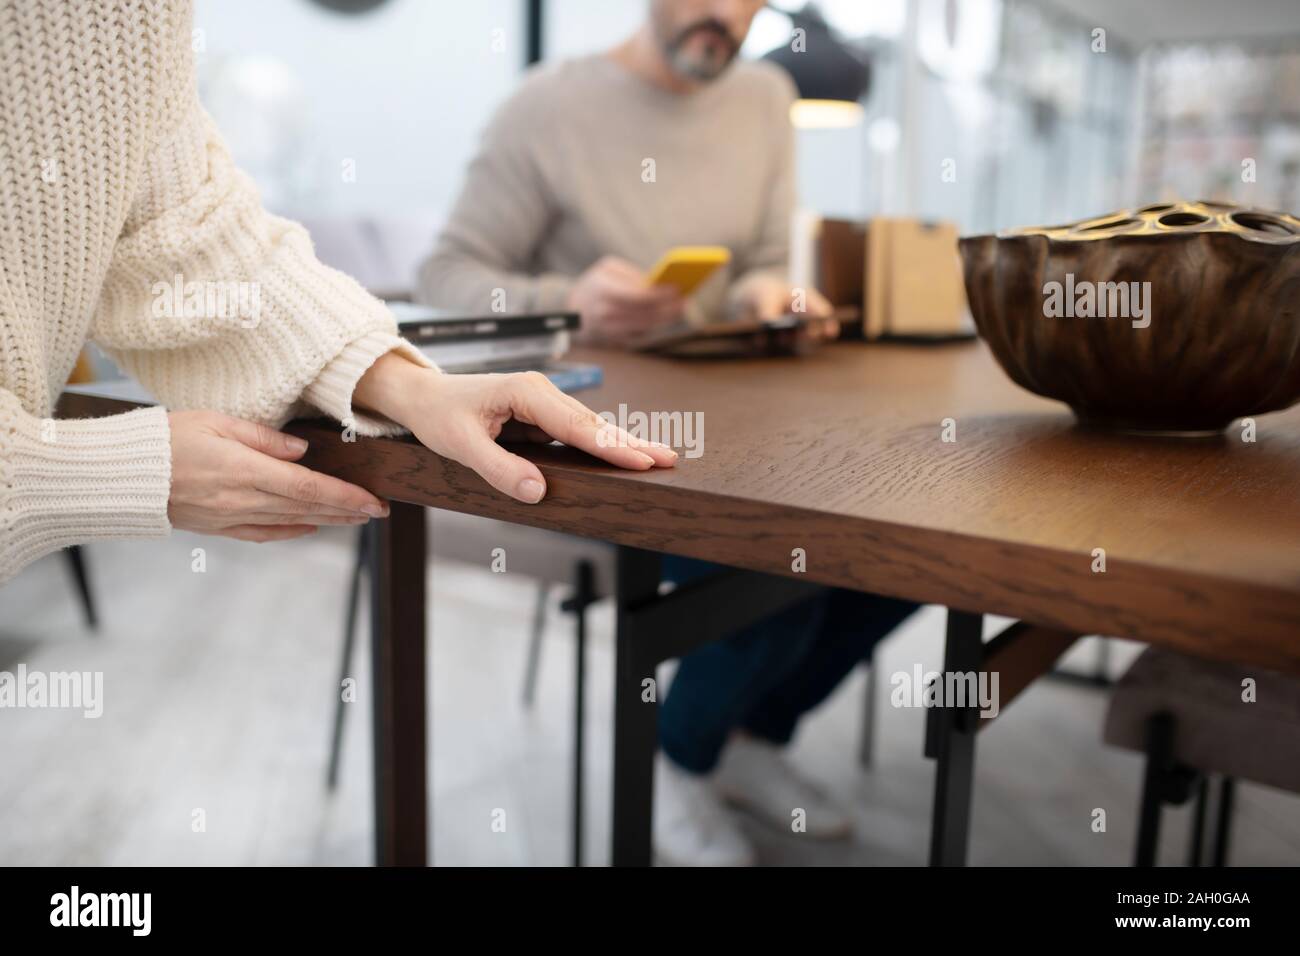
[{"x": 1220, "y": 339}]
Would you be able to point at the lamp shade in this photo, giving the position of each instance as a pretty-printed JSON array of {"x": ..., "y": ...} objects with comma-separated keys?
[{"x": 822, "y": 66}]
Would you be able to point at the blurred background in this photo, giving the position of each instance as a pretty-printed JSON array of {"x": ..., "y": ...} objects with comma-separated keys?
[
  {"x": 357, "y": 118},
  {"x": 360, "y": 124}
]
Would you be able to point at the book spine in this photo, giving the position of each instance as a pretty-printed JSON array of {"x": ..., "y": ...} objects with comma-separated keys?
[{"x": 467, "y": 330}]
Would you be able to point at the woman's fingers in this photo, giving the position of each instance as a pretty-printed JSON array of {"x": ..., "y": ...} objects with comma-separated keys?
[
  {"x": 291, "y": 518},
  {"x": 543, "y": 405},
  {"x": 507, "y": 473},
  {"x": 515, "y": 430},
  {"x": 466, "y": 414},
  {"x": 265, "y": 439},
  {"x": 261, "y": 533},
  {"x": 237, "y": 478},
  {"x": 312, "y": 488},
  {"x": 661, "y": 454},
  {"x": 261, "y": 502}
]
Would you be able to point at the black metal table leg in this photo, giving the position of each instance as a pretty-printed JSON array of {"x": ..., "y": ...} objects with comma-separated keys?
[
  {"x": 635, "y": 719},
  {"x": 1155, "y": 786},
  {"x": 950, "y": 739},
  {"x": 653, "y": 628},
  {"x": 1227, "y": 793},
  {"x": 1195, "y": 850}
]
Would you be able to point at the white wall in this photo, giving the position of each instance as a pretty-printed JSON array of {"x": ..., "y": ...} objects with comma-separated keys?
[
  {"x": 574, "y": 27},
  {"x": 402, "y": 91}
]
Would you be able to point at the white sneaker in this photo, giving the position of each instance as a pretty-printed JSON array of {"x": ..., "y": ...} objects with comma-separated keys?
[
  {"x": 692, "y": 827},
  {"x": 754, "y": 775}
]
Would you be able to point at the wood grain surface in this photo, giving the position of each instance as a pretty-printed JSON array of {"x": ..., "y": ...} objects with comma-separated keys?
[{"x": 841, "y": 454}]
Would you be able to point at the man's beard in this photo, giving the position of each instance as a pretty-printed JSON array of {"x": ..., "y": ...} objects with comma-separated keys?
[{"x": 703, "y": 68}]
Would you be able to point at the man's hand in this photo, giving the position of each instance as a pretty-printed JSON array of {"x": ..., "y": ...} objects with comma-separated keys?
[
  {"x": 767, "y": 297},
  {"x": 462, "y": 416},
  {"x": 234, "y": 478},
  {"x": 617, "y": 305}
]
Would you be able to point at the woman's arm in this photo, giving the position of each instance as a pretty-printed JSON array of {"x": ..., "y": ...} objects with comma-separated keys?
[
  {"x": 63, "y": 482},
  {"x": 290, "y": 334},
  {"x": 213, "y": 303}
]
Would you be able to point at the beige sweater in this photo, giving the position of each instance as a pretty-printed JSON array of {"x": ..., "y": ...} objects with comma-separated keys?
[
  {"x": 115, "y": 191},
  {"x": 586, "y": 159}
]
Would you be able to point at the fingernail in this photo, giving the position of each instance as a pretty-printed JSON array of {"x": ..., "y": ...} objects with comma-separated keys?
[
  {"x": 296, "y": 444},
  {"x": 375, "y": 511},
  {"x": 531, "y": 490},
  {"x": 649, "y": 462}
]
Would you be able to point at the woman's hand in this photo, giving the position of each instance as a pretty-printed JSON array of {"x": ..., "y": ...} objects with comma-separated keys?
[
  {"x": 462, "y": 416},
  {"x": 234, "y": 478}
]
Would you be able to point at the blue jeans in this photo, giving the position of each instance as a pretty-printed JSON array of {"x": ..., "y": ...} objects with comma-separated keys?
[{"x": 764, "y": 678}]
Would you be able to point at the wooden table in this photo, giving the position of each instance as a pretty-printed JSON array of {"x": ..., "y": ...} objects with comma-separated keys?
[{"x": 842, "y": 454}]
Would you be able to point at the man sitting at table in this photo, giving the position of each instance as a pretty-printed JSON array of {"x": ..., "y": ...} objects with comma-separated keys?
[{"x": 585, "y": 176}]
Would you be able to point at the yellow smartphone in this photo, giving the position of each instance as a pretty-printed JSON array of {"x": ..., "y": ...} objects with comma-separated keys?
[{"x": 685, "y": 268}]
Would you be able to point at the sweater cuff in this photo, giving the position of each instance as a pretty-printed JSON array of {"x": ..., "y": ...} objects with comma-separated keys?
[
  {"x": 331, "y": 391},
  {"x": 66, "y": 481}
]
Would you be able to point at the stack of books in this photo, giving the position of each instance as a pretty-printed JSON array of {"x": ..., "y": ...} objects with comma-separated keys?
[{"x": 497, "y": 343}]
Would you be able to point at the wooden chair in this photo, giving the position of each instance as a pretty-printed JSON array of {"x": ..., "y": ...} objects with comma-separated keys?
[{"x": 1191, "y": 719}]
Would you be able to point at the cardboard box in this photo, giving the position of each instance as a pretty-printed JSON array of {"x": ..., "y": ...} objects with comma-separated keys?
[{"x": 910, "y": 281}]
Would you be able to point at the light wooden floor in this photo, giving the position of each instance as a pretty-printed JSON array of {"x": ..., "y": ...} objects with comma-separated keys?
[{"x": 218, "y": 690}]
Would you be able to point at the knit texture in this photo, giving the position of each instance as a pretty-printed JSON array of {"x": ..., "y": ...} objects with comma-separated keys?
[{"x": 123, "y": 220}]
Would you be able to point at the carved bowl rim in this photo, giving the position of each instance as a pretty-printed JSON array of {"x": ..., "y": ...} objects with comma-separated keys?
[{"x": 1202, "y": 217}]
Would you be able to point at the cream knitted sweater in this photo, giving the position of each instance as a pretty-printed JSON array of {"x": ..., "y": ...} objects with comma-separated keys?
[{"x": 115, "y": 193}]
